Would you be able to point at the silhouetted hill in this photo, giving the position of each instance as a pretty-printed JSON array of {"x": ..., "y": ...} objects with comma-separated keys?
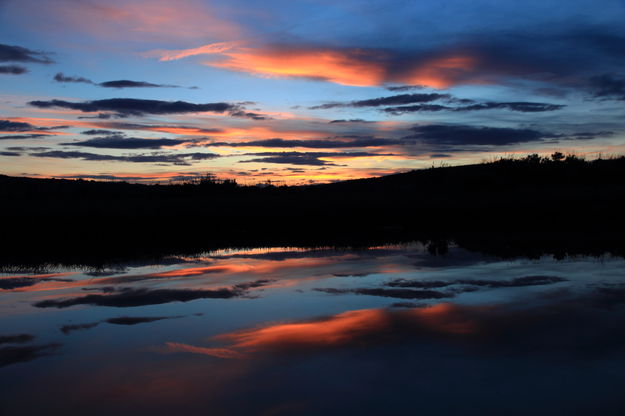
[{"x": 534, "y": 198}]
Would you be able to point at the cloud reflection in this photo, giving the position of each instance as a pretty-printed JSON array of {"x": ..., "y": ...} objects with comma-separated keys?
[{"x": 347, "y": 328}]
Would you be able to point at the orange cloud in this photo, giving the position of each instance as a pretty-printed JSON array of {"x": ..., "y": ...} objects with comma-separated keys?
[
  {"x": 353, "y": 67},
  {"x": 356, "y": 67}
]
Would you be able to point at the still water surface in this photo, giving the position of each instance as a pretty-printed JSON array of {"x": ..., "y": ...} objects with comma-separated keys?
[{"x": 281, "y": 331}]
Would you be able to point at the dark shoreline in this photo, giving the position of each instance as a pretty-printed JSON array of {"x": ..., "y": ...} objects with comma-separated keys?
[{"x": 506, "y": 208}]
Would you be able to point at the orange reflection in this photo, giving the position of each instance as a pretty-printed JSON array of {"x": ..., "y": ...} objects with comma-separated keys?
[
  {"x": 347, "y": 328},
  {"x": 36, "y": 282}
]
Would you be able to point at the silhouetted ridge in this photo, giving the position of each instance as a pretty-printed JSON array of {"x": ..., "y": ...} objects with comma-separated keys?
[{"x": 534, "y": 198}]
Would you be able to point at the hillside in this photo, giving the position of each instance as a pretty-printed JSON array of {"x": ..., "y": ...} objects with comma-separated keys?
[{"x": 530, "y": 196}]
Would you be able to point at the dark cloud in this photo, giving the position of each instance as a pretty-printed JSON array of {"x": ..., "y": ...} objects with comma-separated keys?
[
  {"x": 134, "y": 320},
  {"x": 126, "y": 298},
  {"x": 98, "y": 132},
  {"x": 176, "y": 159},
  {"x": 60, "y": 77},
  {"x": 66, "y": 329},
  {"x": 363, "y": 274},
  {"x": 524, "y": 107},
  {"x": 410, "y": 305},
  {"x": 16, "y": 339},
  {"x": 26, "y": 149},
  {"x": 407, "y": 289},
  {"x": 405, "y": 87},
  {"x": 23, "y": 136},
  {"x": 416, "y": 108},
  {"x": 448, "y": 134},
  {"x": 245, "y": 114},
  {"x": 493, "y": 284},
  {"x": 421, "y": 284},
  {"x": 155, "y": 276},
  {"x": 18, "y": 126},
  {"x": 124, "y": 83},
  {"x": 9, "y": 154},
  {"x": 335, "y": 143},
  {"x": 8, "y": 125},
  {"x": 390, "y": 293},
  {"x": 14, "y": 355},
  {"x": 122, "y": 142},
  {"x": 423, "y": 103},
  {"x": 101, "y": 116},
  {"x": 301, "y": 159},
  {"x": 18, "y": 282},
  {"x": 608, "y": 86},
  {"x": 121, "y": 320},
  {"x": 10, "y": 53},
  {"x": 517, "y": 282},
  {"x": 12, "y": 69},
  {"x": 304, "y": 158},
  {"x": 124, "y": 107},
  {"x": 520, "y": 106},
  {"x": 254, "y": 284},
  {"x": 119, "y": 125},
  {"x": 181, "y": 177},
  {"x": 353, "y": 120},
  {"x": 392, "y": 100},
  {"x": 586, "y": 135}
]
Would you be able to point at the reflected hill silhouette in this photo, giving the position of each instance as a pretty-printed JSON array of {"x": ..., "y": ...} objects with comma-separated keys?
[{"x": 530, "y": 206}]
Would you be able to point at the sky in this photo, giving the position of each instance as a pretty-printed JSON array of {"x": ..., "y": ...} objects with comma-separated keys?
[{"x": 298, "y": 91}]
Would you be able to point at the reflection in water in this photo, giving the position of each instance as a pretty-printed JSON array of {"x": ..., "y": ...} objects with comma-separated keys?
[
  {"x": 388, "y": 330},
  {"x": 352, "y": 327}
]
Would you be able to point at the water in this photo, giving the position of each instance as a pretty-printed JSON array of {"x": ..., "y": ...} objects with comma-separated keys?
[{"x": 272, "y": 331}]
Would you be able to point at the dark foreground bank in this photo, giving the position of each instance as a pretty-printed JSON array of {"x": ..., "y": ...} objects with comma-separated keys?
[{"x": 525, "y": 206}]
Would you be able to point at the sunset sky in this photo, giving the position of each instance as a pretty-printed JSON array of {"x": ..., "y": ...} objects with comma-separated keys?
[{"x": 303, "y": 91}]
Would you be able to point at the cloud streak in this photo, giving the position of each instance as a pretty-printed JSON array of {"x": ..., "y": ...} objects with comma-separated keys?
[
  {"x": 346, "y": 66},
  {"x": 12, "y": 53},
  {"x": 306, "y": 158},
  {"x": 180, "y": 159},
  {"x": 125, "y": 107},
  {"x": 123, "y": 142},
  {"x": 448, "y": 134},
  {"x": 127, "y": 298},
  {"x": 119, "y": 84},
  {"x": 12, "y": 70}
]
